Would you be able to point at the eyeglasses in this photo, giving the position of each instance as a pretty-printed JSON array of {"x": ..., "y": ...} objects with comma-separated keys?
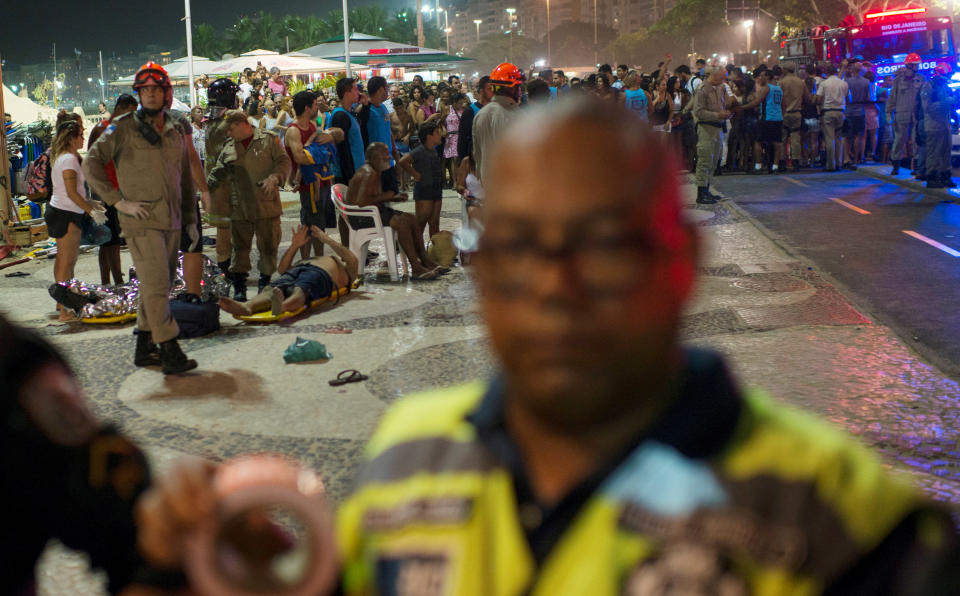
[{"x": 613, "y": 263}]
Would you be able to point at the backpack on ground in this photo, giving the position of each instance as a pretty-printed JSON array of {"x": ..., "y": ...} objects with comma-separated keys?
[{"x": 195, "y": 320}]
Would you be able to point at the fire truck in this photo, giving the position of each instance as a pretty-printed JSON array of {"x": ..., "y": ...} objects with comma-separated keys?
[{"x": 883, "y": 39}]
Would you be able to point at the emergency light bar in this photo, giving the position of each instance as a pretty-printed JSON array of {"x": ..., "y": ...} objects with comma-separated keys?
[{"x": 892, "y": 13}]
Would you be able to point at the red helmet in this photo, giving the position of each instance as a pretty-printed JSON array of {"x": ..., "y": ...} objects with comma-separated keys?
[
  {"x": 506, "y": 75},
  {"x": 943, "y": 68},
  {"x": 913, "y": 58},
  {"x": 151, "y": 72}
]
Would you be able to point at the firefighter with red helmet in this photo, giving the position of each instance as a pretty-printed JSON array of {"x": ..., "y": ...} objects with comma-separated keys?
[
  {"x": 507, "y": 82},
  {"x": 901, "y": 107},
  {"x": 152, "y": 153}
]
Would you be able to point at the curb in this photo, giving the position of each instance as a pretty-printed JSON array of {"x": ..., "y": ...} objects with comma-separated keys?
[{"x": 944, "y": 194}]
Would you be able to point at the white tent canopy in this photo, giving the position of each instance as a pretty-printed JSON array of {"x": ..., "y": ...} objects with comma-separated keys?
[
  {"x": 180, "y": 68},
  {"x": 286, "y": 64},
  {"x": 24, "y": 110}
]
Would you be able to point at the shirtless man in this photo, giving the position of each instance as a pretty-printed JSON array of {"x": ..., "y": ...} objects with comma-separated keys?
[
  {"x": 365, "y": 191},
  {"x": 308, "y": 280}
]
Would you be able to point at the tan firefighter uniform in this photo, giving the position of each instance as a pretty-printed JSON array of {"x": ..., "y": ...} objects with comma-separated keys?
[{"x": 157, "y": 173}]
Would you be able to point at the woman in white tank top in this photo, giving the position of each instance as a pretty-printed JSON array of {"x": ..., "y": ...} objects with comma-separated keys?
[{"x": 68, "y": 207}]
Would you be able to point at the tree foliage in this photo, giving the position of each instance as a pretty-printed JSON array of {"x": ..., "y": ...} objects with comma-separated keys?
[{"x": 266, "y": 31}]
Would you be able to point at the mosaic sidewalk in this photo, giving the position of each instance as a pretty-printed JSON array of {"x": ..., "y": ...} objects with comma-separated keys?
[{"x": 784, "y": 326}]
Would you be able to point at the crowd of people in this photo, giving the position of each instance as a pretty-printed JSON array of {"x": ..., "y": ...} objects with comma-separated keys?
[{"x": 382, "y": 140}]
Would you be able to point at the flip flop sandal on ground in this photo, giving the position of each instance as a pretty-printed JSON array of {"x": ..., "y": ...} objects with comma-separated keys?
[
  {"x": 425, "y": 276},
  {"x": 348, "y": 376}
]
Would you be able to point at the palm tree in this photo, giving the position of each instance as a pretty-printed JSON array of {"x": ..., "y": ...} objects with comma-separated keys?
[
  {"x": 401, "y": 27},
  {"x": 335, "y": 21},
  {"x": 311, "y": 30},
  {"x": 292, "y": 27},
  {"x": 206, "y": 41},
  {"x": 266, "y": 33},
  {"x": 368, "y": 19},
  {"x": 240, "y": 36}
]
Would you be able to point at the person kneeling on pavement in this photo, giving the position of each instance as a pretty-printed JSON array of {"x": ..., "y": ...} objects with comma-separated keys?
[
  {"x": 365, "y": 190},
  {"x": 255, "y": 164},
  {"x": 305, "y": 282}
]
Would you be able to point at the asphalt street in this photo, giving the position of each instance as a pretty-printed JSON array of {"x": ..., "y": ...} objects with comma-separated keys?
[{"x": 895, "y": 251}]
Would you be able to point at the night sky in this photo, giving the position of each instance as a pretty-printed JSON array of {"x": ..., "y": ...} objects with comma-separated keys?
[{"x": 28, "y": 28}]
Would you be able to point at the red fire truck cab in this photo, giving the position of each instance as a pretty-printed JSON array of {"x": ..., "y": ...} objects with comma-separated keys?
[{"x": 884, "y": 39}]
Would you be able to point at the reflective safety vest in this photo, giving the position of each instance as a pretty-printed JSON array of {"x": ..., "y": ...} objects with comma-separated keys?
[{"x": 786, "y": 506}]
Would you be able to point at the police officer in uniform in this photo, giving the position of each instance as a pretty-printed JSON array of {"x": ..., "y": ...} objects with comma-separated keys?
[
  {"x": 152, "y": 157},
  {"x": 221, "y": 96},
  {"x": 900, "y": 110},
  {"x": 254, "y": 165},
  {"x": 937, "y": 104}
]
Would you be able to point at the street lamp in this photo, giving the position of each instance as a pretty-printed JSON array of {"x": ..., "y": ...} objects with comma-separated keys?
[
  {"x": 511, "y": 12},
  {"x": 549, "y": 61},
  {"x": 748, "y": 25},
  {"x": 595, "y": 41},
  {"x": 477, "y": 23},
  {"x": 447, "y": 31}
]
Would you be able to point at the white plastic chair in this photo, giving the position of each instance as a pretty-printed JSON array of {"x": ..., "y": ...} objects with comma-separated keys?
[{"x": 360, "y": 237}]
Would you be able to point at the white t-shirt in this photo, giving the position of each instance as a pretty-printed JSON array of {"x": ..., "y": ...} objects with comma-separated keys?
[
  {"x": 59, "y": 197},
  {"x": 245, "y": 90}
]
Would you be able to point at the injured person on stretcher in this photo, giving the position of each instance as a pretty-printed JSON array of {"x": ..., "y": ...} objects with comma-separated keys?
[{"x": 300, "y": 285}]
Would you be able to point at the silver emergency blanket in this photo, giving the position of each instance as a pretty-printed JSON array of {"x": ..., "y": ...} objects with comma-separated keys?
[{"x": 113, "y": 301}]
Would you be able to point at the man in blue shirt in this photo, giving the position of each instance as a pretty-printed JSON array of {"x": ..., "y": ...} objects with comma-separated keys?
[{"x": 375, "y": 128}]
